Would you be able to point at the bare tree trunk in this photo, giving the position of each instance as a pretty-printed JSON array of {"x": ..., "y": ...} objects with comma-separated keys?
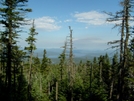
[
  {"x": 56, "y": 97},
  {"x": 124, "y": 66},
  {"x": 111, "y": 89},
  {"x": 49, "y": 85},
  {"x": 29, "y": 80},
  {"x": 100, "y": 65},
  {"x": 9, "y": 45},
  {"x": 40, "y": 84}
]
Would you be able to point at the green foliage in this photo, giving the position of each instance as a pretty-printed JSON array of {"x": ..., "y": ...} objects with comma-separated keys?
[
  {"x": 45, "y": 63},
  {"x": 131, "y": 46},
  {"x": 36, "y": 64},
  {"x": 12, "y": 17},
  {"x": 103, "y": 79},
  {"x": 31, "y": 40}
]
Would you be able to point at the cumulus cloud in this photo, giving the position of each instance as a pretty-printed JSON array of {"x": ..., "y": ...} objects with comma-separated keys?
[
  {"x": 91, "y": 18},
  {"x": 46, "y": 23},
  {"x": 97, "y": 18}
]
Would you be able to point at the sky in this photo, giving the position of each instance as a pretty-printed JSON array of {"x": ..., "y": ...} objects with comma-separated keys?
[{"x": 86, "y": 17}]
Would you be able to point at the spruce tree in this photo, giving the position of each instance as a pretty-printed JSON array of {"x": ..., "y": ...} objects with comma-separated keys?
[
  {"x": 31, "y": 41},
  {"x": 45, "y": 63},
  {"x": 12, "y": 18},
  {"x": 123, "y": 68}
]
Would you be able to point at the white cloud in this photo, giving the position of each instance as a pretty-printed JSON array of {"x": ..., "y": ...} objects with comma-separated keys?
[
  {"x": 46, "y": 23},
  {"x": 97, "y": 18},
  {"x": 91, "y": 18},
  {"x": 68, "y": 20}
]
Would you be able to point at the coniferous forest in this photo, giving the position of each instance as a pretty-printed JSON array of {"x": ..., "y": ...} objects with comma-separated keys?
[{"x": 26, "y": 77}]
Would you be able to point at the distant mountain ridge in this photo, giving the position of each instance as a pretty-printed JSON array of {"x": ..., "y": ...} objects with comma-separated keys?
[{"x": 79, "y": 54}]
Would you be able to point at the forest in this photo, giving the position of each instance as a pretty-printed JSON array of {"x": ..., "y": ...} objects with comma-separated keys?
[{"x": 26, "y": 77}]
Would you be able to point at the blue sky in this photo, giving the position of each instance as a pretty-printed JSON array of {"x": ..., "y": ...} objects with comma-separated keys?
[{"x": 86, "y": 18}]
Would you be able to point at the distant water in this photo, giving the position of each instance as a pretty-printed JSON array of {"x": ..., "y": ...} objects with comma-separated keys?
[
  {"x": 79, "y": 54},
  {"x": 55, "y": 53}
]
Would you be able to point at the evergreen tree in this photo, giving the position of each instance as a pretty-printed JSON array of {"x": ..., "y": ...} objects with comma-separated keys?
[
  {"x": 36, "y": 64},
  {"x": 123, "y": 68},
  {"x": 45, "y": 63},
  {"x": 31, "y": 40},
  {"x": 12, "y": 18},
  {"x": 113, "y": 77},
  {"x": 131, "y": 47},
  {"x": 62, "y": 64}
]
